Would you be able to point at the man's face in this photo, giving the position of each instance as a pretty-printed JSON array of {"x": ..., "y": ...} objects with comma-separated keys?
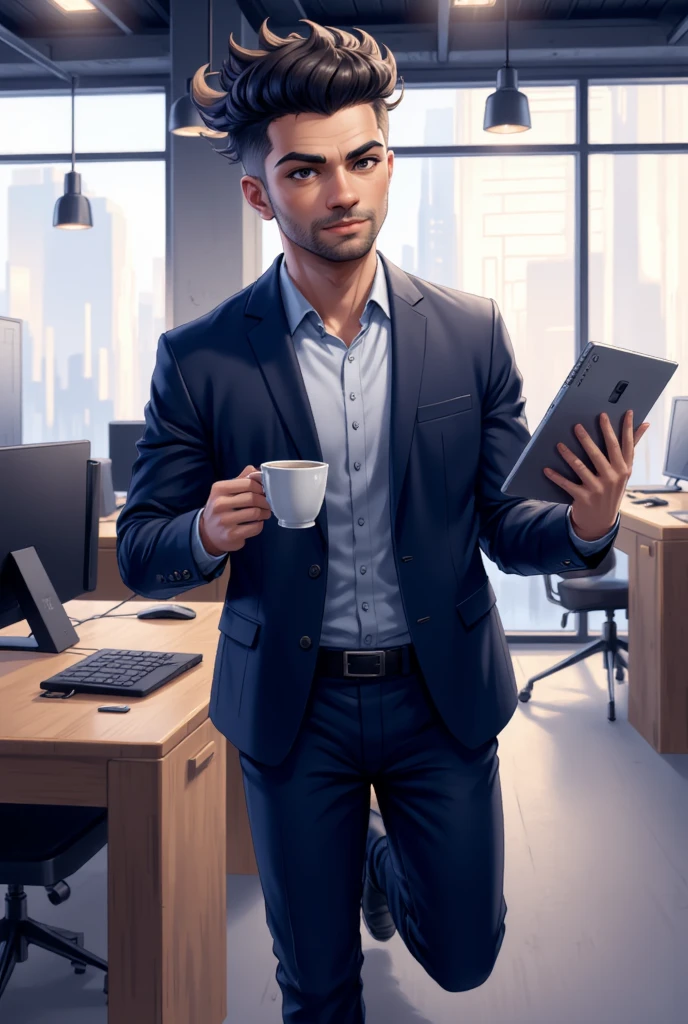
[{"x": 346, "y": 177}]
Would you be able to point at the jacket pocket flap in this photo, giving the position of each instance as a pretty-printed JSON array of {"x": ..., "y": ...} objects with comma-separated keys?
[
  {"x": 240, "y": 627},
  {"x": 447, "y": 408},
  {"x": 477, "y": 604}
]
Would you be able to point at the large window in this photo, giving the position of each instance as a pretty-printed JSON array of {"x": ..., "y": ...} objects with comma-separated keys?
[
  {"x": 503, "y": 224},
  {"x": 92, "y": 301}
]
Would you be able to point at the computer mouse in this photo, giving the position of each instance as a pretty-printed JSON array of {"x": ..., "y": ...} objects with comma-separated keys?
[
  {"x": 166, "y": 611},
  {"x": 655, "y": 501}
]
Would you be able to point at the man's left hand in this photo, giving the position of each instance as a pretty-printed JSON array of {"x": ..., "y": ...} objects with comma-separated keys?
[{"x": 597, "y": 499}]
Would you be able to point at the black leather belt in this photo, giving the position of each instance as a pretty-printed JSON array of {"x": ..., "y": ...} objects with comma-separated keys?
[{"x": 390, "y": 661}]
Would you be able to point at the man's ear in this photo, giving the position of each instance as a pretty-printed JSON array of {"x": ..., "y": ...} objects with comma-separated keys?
[{"x": 256, "y": 196}]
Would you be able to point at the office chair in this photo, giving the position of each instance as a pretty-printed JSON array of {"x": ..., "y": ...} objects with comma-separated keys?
[
  {"x": 583, "y": 591},
  {"x": 43, "y": 845}
]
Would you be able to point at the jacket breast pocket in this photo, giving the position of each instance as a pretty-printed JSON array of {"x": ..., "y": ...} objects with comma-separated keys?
[{"x": 448, "y": 407}]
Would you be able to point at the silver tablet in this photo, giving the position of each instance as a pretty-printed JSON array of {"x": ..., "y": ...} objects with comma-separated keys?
[{"x": 604, "y": 379}]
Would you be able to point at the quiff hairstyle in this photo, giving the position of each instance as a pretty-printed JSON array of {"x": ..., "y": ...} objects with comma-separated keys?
[{"x": 322, "y": 73}]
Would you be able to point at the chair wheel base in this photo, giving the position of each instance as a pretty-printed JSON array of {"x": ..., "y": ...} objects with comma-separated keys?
[
  {"x": 611, "y": 713},
  {"x": 524, "y": 696}
]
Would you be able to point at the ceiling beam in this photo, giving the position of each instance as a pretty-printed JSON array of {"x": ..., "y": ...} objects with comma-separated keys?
[
  {"x": 27, "y": 50},
  {"x": 480, "y": 43},
  {"x": 112, "y": 55},
  {"x": 127, "y": 25},
  {"x": 678, "y": 31},
  {"x": 443, "y": 30}
]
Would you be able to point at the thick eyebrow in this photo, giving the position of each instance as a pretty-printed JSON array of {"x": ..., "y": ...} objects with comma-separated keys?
[{"x": 318, "y": 158}]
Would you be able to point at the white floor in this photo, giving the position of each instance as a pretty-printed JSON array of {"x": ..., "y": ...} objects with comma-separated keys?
[{"x": 596, "y": 885}]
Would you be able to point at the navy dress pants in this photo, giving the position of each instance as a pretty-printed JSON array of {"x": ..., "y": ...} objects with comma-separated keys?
[{"x": 441, "y": 864}]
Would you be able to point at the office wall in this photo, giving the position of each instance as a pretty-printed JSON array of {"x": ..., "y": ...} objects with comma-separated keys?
[{"x": 214, "y": 237}]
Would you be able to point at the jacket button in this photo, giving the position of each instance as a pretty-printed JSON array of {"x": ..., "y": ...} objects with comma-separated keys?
[
  {"x": 305, "y": 642},
  {"x": 170, "y": 578},
  {"x": 186, "y": 574},
  {"x": 567, "y": 561},
  {"x": 314, "y": 571},
  {"x": 177, "y": 575},
  {"x": 159, "y": 578}
]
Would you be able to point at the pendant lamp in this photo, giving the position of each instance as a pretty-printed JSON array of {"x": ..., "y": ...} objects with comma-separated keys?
[
  {"x": 506, "y": 110},
  {"x": 72, "y": 210},
  {"x": 184, "y": 117}
]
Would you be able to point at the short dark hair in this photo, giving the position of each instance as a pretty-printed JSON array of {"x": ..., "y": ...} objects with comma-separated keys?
[{"x": 322, "y": 73}]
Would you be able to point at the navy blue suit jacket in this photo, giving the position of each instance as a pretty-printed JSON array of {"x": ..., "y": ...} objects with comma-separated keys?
[{"x": 227, "y": 392}]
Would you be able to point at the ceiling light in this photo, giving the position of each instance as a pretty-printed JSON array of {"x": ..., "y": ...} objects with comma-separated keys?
[
  {"x": 506, "y": 110},
  {"x": 72, "y": 210},
  {"x": 184, "y": 118},
  {"x": 474, "y": 3},
  {"x": 73, "y": 6}
]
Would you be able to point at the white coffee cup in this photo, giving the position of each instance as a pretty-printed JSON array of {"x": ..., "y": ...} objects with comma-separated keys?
[{"x": 295, "y": 490}]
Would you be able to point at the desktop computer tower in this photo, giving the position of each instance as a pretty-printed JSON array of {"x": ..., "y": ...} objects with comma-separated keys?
[
  {"x": 123, "y": 435},
  {"x": 10, "y": 382}
]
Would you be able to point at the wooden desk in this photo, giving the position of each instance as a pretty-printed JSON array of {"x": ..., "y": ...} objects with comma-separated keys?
[
  {"x": 110, "y": 586},
  {"x": 161, "y": 770},
  {"x": 657, "y": 549}
]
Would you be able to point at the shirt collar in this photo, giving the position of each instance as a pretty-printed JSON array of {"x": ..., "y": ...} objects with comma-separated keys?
[{"x": 296, "y": 306}]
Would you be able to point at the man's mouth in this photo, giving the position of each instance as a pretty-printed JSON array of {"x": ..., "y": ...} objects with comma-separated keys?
[{"x": 341, "y": 227}]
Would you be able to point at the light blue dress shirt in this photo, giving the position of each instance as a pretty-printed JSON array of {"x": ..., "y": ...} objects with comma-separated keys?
[{"x": 363, "y": 606}]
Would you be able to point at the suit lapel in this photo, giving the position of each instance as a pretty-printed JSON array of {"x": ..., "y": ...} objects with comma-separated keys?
[
  {"x": 273, "y": 346},
  {"x": 408, "y": 354}
]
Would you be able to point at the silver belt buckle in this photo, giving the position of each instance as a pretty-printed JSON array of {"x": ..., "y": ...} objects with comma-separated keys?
[{"x": 381, "y": 665}]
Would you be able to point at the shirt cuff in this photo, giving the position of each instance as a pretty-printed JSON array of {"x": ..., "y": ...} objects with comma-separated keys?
[
  {"x": 591, "y": 547},
  {"x": 206, "y": 563}
]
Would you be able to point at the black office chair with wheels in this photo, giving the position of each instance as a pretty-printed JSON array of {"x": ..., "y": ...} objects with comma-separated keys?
[
  {"x": 42, "y": 845},
  {"x": 584, "y": 591}
]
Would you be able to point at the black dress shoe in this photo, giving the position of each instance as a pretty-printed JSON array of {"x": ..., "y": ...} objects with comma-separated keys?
[{"x": 376, "y": 915}]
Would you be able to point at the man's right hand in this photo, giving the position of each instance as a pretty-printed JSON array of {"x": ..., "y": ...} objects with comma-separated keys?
[{"x": 235, "y": 510}]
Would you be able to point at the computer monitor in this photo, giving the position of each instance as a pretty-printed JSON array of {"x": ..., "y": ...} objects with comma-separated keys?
[
  {"x": 123, "y": 453},
  {"x": 676, "y": 459},
  {"x": 10, "y": 381},
  {"x": 48, "y": 539}
]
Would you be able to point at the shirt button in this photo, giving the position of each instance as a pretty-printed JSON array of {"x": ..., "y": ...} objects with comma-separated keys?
[
  {"x": 355, "y": 424},
  {"x": 314, "y": 571},
  {"x": 363, "y": 570},
  {"x": 361, "y": 521},
  {"x": 357, "y": 465},
  {"x": 365, "y": 606},
  {"x": 352, "y": 396},
  {"x": 368, "y": 639},
  {"x": 305, "y": 642}
]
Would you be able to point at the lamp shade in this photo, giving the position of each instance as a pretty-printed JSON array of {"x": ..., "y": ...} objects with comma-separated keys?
[
  {"x": 72, "y": 210},
  {"x": 507, "y": 110},
  {"x": 184, "y": 118}
]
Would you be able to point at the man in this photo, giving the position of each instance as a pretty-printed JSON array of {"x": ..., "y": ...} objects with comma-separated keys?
[{"x": 366, "y": 650}]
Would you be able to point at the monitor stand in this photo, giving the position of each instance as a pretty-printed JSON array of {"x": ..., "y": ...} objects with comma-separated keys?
[
  {"x": 656, "y": 488},
  {"x": 42, "y": 608}
]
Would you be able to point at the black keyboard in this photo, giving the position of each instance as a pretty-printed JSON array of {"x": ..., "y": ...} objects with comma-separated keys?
[{"x": 130, "y": 673}]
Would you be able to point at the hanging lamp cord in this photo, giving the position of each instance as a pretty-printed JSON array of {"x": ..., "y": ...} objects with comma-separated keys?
[
  {"x": 506, "y": 20},
  {"x": 210, "y": 35},
  {"x": 73, "y": 92}
]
